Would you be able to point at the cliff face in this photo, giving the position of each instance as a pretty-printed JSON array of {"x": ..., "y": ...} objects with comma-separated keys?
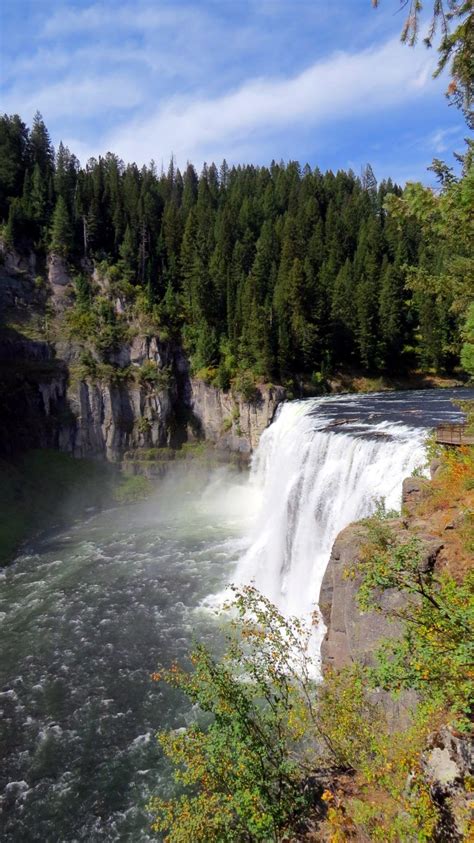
[
  {"x": 353, "y": 635},
  {"x": 48, "y": 400},
  {"x": 447, "y": 762},
  {"x": 230, "y": 422}
]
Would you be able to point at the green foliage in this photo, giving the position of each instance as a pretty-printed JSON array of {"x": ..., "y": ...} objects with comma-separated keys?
[
  {"x": 61, "y": 230},
  {"x": 244, "y": 385},
  {"x": 442, "y": 280},
  {"x": 436, "y": 651},
  {"x": 263, "y": 758},
  {"x": 93, "y": 320},
  {"x": 242, "y": 775},
  {"x": 206, "y": 374},
  {"x": 455, "y": 45},
  {"x": 467, "y": 350},
  {"x": 278, "y": 272},
  {"x": 467, "y": 407},
  {"x": 150, "y": 374}
]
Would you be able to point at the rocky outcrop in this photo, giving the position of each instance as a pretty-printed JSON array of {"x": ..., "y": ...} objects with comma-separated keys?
[
  {"x": 109, "y": 419},
  {"x": 352, "y": 635},
  {"x": 59, "y": 280},
  {"x": 448, "y": 766},
  {"x": 227, "y": 419},
  {"x": 50, "y": 399},
  {"x": 413, "y": 491}
]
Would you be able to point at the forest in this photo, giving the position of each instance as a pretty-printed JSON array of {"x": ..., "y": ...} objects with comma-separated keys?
[{"x": 278, "y": 272}]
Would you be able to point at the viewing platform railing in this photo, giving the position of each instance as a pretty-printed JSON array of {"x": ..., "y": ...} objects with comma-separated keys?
[{"x": 453, "y": 434}]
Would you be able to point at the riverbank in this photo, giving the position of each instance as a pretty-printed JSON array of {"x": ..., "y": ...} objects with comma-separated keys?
[{"x": 361, "y": 383}]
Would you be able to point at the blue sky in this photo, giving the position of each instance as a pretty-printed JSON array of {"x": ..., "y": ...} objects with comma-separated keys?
[{"x": 326, "y": 83}]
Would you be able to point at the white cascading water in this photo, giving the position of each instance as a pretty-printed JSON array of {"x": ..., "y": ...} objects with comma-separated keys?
[{"x": 313, "y": 482}]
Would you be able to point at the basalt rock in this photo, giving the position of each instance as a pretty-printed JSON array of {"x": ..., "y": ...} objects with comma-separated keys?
[
  {"x": 413, "y": 491},
  {"x": 230, "y": 421},
  {"x": 353, "y": 635}
]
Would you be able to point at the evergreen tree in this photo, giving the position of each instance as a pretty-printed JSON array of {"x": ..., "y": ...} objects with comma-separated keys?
[
  {"x": 14, "y": 148},
  {"x": 40, "y": 147},
  {"x": 281, "y": 270},
  {"x": 61, "y": 230}
]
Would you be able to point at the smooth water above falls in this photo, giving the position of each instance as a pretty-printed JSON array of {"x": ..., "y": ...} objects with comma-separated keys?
[{"x": 88, "y": 614}]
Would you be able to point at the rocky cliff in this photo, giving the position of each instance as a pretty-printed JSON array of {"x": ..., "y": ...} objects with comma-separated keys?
[
  {"x": 140, "y": 395},
  {"x": 228, "y": 420},
  {"x": 353, "y": 635}
]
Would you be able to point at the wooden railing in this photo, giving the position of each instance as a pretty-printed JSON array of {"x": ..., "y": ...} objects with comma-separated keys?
[{"x": 453, "y": 434}]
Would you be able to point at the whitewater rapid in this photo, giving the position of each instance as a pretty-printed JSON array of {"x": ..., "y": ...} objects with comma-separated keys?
[{"x": 314, "y": 474}]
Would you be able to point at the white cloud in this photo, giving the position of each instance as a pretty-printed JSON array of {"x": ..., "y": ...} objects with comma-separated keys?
[
  {"x": 336, "y": 88},
  {"x": 441, "y": 140},
  {"x": 78, "y": 97}
]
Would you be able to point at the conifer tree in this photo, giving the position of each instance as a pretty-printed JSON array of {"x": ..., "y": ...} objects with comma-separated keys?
[{"x": 61, "y": 231}]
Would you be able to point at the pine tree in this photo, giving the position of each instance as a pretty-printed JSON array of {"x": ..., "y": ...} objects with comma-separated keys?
[
  {"x": 40, "y": 147},
  {"x": 14, "y": 143},
  {"x": 391, "y": 316},
  {"x": 342, "y": 315},
  {"x": 61, "y": 231}
]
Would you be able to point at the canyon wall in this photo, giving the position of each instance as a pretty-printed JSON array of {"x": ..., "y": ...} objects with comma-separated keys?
[{"x": 50, "y": 400}]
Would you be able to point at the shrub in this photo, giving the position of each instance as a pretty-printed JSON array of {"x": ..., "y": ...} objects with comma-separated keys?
[
  {"x": 151, "y": 374},
  {"x": 267, "y": 755},
  {"x": 245, "y": 385},
  {"x": 206, "y": 374},
  {"x": 240, "y": 777},
  {"x": 143, "y": 425},
  {"x": 435, "y": 653}
]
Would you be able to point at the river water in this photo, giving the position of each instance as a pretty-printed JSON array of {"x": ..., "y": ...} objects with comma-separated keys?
[{"x": 86, "y": 615}]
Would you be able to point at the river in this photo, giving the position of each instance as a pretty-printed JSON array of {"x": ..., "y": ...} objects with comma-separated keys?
[{"x": 87, "y": 614}]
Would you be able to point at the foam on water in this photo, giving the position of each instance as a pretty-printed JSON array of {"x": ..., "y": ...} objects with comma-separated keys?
[{"x": 313, "y": 480}]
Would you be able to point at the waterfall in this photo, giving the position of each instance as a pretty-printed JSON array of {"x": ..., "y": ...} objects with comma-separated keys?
[{"x": 315, "y": 475}]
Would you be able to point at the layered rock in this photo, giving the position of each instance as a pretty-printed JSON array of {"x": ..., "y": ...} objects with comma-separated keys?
[
  {"x": 109, "y": 419},
  {"x": 228, "y": 420}
]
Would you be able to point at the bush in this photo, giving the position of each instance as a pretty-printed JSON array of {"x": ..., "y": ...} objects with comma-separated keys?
[
  {"x": 151, "y": 374},
  {"x": 206, "y": 374},
  {"x": 240, "y": 777},
  {"x": 245, "y": 386},
  {"x": 267, "y": 758}
]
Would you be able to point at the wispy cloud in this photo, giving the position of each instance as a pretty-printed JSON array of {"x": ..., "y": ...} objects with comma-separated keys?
[
  {"x": 250, "y": 81},
  {"x": 82, "y": 97},
  {"x": 337, "y": 88},
  {"x": 100, "y": 16},
  {"x": 441, "y": 140}
]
